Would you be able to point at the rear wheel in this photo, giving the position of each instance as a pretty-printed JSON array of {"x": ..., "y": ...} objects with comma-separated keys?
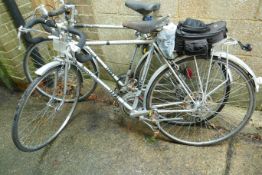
[
  {"x": 221, "y": 110},
  {"x": 40, "y": 118}
]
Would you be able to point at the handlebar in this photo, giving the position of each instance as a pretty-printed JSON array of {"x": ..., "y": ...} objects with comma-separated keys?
[
  {"x": 51, "y": 23},
  {"x": 33, "y": 22},
  {"x": 46, "y": 14},
  {"x": 57, "y": 12}
]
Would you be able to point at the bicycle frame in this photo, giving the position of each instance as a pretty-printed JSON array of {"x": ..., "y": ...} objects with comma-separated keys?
[{"x": 154, "y": 47}]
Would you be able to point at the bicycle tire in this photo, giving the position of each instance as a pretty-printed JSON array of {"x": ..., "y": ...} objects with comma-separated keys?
[
  {"x": 219, "y": 127},
  {"x": 39, "y": 118}
]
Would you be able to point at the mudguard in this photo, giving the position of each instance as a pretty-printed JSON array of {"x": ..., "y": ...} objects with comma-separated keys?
[
  {"x": 42, "y": 70},
  {"x": 242, "y": 64}
]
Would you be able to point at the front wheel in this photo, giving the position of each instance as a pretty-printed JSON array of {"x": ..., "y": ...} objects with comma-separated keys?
[
  {"x": 223, "y": 104},
  {"x": 39, "y": 118}
]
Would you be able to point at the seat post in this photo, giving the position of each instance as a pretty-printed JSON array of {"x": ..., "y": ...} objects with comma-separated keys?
[{"x": 147, "y": 18}]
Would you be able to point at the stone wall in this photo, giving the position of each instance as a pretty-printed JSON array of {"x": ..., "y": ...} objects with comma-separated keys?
[
  {"x": 10, "y": 56},
  {"x": 244, "y": 18}
]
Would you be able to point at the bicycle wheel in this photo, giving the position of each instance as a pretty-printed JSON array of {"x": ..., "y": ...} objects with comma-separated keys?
[
  {"x": 42, "y": 53},
  {"x": 40, "y": 118},
  {"x": 221, "y": 110}
]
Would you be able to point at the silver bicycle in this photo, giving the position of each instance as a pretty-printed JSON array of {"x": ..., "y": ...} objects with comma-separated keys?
[{"x": 189, "y": 99}]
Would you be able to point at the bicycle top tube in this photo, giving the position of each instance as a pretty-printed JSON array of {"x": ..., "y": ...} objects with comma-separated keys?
[
  {"x": 118, "y": 42},
  {"x": 100, "y": 26}
]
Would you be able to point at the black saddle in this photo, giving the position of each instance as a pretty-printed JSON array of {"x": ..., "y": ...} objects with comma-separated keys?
[
  {"x": 143, "y": 8},
  {"x": 147, "y": 26}
]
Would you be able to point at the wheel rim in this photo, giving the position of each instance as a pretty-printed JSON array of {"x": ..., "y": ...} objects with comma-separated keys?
[{"x": 39, "y": 119}]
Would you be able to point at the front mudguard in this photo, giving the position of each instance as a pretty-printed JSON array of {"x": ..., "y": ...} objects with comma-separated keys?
[{"x": 42, "y": 70}]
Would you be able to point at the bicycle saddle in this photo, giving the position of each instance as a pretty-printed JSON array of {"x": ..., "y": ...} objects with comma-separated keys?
[
  {"x": 143, "y": 8},
  {"x": 147, "y": 26}
]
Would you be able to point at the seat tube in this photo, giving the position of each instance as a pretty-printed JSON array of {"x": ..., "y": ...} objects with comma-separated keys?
[{"x": 146, "y": 67}]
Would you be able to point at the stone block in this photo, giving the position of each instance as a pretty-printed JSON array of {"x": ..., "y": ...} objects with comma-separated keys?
[
  {"x": 9, "y": 45},
  {"x": 21, "y": 2},
  {"x": 123, "y": 10},
  {"x": 2, "y": 8},
  {"x": 3, "y": 30},
  {"x": 15, "y": 71},
  {"x": 26, "y": 8},
  {"x": 10, "y": 26},
  {"x": 247, "y": 32},
  {"x": 259, "y": 11},
  {"x": 8, "y": 36},
  {"x": 253, "y": 62},
  {"x": 18, "y": 79},
  {"x": 117, "y": 54},
  {"x": 82, "y": 2},
  {"x": 5, "y": 60},
  {"x": 234, "y": 9},
  {"x": 169, "y": 7},
  {"x": 246, "y": 159},
  {"x": 87, "y": 19},
  {"x": 106, "y": 6},
  {"x": 5, "y": 17},
  {"x": 117, "y": 68},
  {"x": 84, "y": 9}
]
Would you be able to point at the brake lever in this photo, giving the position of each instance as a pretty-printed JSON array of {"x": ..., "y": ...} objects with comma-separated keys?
[{"x": 19, "y": 37}]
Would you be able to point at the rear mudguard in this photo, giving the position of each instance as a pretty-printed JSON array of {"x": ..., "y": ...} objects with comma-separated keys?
[{"x": 242, "y": 64}]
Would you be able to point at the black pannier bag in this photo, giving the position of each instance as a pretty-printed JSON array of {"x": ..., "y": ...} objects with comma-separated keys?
[{"x": 193, "y": 37}]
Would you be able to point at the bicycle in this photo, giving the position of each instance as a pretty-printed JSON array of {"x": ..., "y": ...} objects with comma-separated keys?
[{"x": 189, "y": 99}]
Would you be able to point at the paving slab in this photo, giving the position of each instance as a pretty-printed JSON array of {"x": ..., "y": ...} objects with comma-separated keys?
[
  {"x": 246, "y": 158},
  {"x": 102, "y": 140}
]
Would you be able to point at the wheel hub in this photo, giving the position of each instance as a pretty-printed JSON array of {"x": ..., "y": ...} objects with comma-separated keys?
[{"x": 201, "y": 105}]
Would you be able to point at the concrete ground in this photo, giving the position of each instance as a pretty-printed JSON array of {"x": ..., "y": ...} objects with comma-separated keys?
[{"x": 101, "y": 140}]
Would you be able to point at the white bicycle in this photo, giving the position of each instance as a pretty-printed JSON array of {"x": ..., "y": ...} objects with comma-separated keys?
[{"x": 189, "y": 99}]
